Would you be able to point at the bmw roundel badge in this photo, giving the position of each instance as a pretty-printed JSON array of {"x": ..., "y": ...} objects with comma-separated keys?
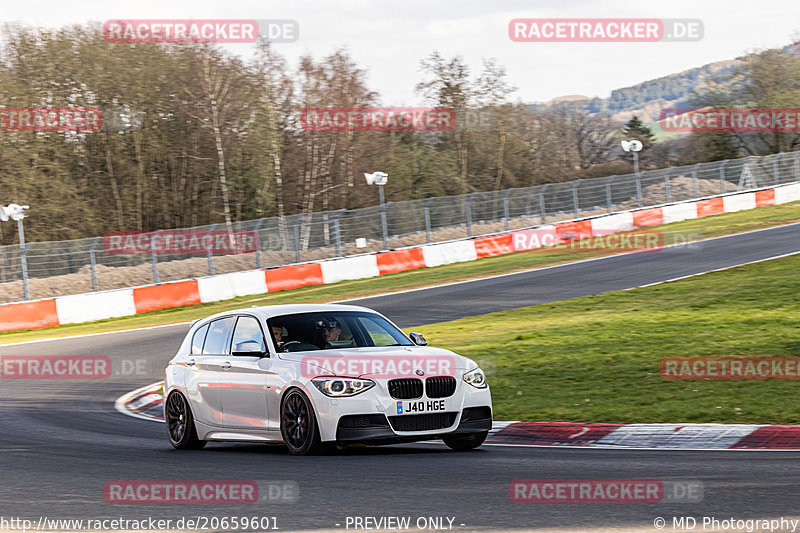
[{"x": 419, "y": 372}]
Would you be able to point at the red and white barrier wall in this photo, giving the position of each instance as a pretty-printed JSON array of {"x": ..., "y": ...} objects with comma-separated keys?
[{"x": 124, "y": 302}]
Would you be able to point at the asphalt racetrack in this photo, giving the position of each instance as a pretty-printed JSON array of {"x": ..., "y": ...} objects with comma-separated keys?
[{"x": 61, "y": 441}]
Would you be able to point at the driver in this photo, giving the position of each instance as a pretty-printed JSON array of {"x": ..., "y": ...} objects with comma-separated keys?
[
  {"x": 328, "y": 331},
  {"x": 277, "y": 334}
]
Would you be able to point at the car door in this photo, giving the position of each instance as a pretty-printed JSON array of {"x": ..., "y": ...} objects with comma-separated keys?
[
  {"x": 204, "y": 366},
  {"x": 245, "y": 375},
  {"x": 205, "y": 371}
]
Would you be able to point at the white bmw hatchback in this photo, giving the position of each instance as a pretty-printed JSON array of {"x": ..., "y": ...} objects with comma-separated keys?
[{"x": 317, "y": 376}]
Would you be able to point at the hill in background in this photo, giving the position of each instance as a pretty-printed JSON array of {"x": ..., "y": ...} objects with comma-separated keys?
[{"x": 647, "y": 99}]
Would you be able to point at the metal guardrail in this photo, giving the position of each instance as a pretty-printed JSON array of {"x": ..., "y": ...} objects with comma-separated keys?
[{"x": 83, "y": 265}]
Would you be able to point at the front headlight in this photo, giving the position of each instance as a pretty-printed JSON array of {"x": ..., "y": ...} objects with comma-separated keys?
[
  {"x": 338, "y": 387},
  {"x": 476, "y": 378}
]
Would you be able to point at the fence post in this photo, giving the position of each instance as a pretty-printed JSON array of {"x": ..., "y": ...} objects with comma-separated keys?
[
  {"x": 468, "y": 208},
  {"x": 575, "y": 206},
  {"x": 154, "y": 259},
  {"x": 282, "y": 231},
  {"x": 384, "y": 226},
  {"x": 258, "y": 242},
  {"x": 609, "y": 200},
  {"x": 638, "y": 189},
  {"x": 297, "y": 238},
  {"x": 23, "y": 261},
  {"x": 210, "y": 255},
  {"x": 542, "y": 212},
  {"x": 505, "y": 208},
  {"x": 337, "y": 231},
  {"x": 666, "y": 187},
  {"x": 796, "y": 166},
  {"x": 694, "y": 182},
  {"x": 426, "y": 208},
  {"x": 722, "y": 177},
  {"x": 93, "y": 262}
]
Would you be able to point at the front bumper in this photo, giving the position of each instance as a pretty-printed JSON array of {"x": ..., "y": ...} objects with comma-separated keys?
[
  {"x": 374, "y": 416},
  {"x": 376, "y": 428}
]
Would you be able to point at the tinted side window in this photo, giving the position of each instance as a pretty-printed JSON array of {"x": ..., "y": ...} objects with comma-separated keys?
[
  {"x": 247, "y": 330},
  {"x": 198, "y": 339},
  {"x": 217, "y": 338}
]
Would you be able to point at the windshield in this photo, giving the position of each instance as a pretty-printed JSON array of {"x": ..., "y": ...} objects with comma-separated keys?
[{"x": 334, "y": 330}]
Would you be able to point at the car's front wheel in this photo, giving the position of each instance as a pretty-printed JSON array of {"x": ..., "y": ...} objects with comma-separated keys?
[
  {"x": 465, "y": 442},
  {"x": 180, "y": 423},
  {"x": 299, "y": 427}
]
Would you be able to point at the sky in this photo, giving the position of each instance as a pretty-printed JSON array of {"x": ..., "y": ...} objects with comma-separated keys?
[{"x": 388, "y": 39}]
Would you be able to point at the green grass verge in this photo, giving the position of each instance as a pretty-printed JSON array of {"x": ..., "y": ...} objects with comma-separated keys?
[
  {"x": 708, "y": 227},
  {"x": 596, "y": 358}
]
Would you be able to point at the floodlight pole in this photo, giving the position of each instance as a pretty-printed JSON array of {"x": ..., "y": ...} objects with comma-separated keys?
[
  {"x": 380, "y": 179},
  {"x": 638, "y": 177},
  {"x": 384, "y": 229},
  {"x": 22, "y": 261},
  {"x": 634, "y": 146}
]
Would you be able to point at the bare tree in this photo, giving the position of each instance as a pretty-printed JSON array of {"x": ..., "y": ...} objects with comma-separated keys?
[
  {"x": 222, "y": 102},
  {"x": 491, "y": 95},
  {"x": 449, "y": 86}
]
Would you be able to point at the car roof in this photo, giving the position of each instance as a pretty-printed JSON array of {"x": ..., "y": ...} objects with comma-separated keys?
[{"x": 270, "y": 311}]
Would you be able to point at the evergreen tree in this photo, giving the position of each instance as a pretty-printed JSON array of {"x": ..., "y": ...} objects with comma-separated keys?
[{"x": 634, "y": 129}]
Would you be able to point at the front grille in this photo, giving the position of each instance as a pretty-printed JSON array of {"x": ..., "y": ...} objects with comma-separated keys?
[
  {"x": 440, "y": 387},
  {"x": 427, "y": 422},
  {"x": 405, "y": 389},
  {"x": 362, "y": 421}
]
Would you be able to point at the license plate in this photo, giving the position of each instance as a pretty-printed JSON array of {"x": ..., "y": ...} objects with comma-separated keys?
[{"x": 419, "y": 406}]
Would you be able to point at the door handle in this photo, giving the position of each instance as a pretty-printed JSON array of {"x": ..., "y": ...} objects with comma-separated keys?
[
  {"x": 190, "y": 362},
  {"x": 226, "y": 365}
]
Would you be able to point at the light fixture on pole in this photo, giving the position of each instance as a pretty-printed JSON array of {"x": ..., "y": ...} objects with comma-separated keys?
[
  {"x": 380, "y": 179},
  {"x": 13, "y": 212},
  {"x": 635, "y": 147},
  {"x": 18, "y": 212}
]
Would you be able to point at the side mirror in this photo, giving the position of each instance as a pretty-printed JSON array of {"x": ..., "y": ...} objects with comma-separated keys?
[
  {"x": 251, "y": 348},
  {"x": 418, "y": 339}
]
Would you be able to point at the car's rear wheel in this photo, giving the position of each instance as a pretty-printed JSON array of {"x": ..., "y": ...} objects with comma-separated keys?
[
  {"x": 180, "y": 423},
  {"x": 299, "y": 427},
  {"x": 469, "y": 441}
]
